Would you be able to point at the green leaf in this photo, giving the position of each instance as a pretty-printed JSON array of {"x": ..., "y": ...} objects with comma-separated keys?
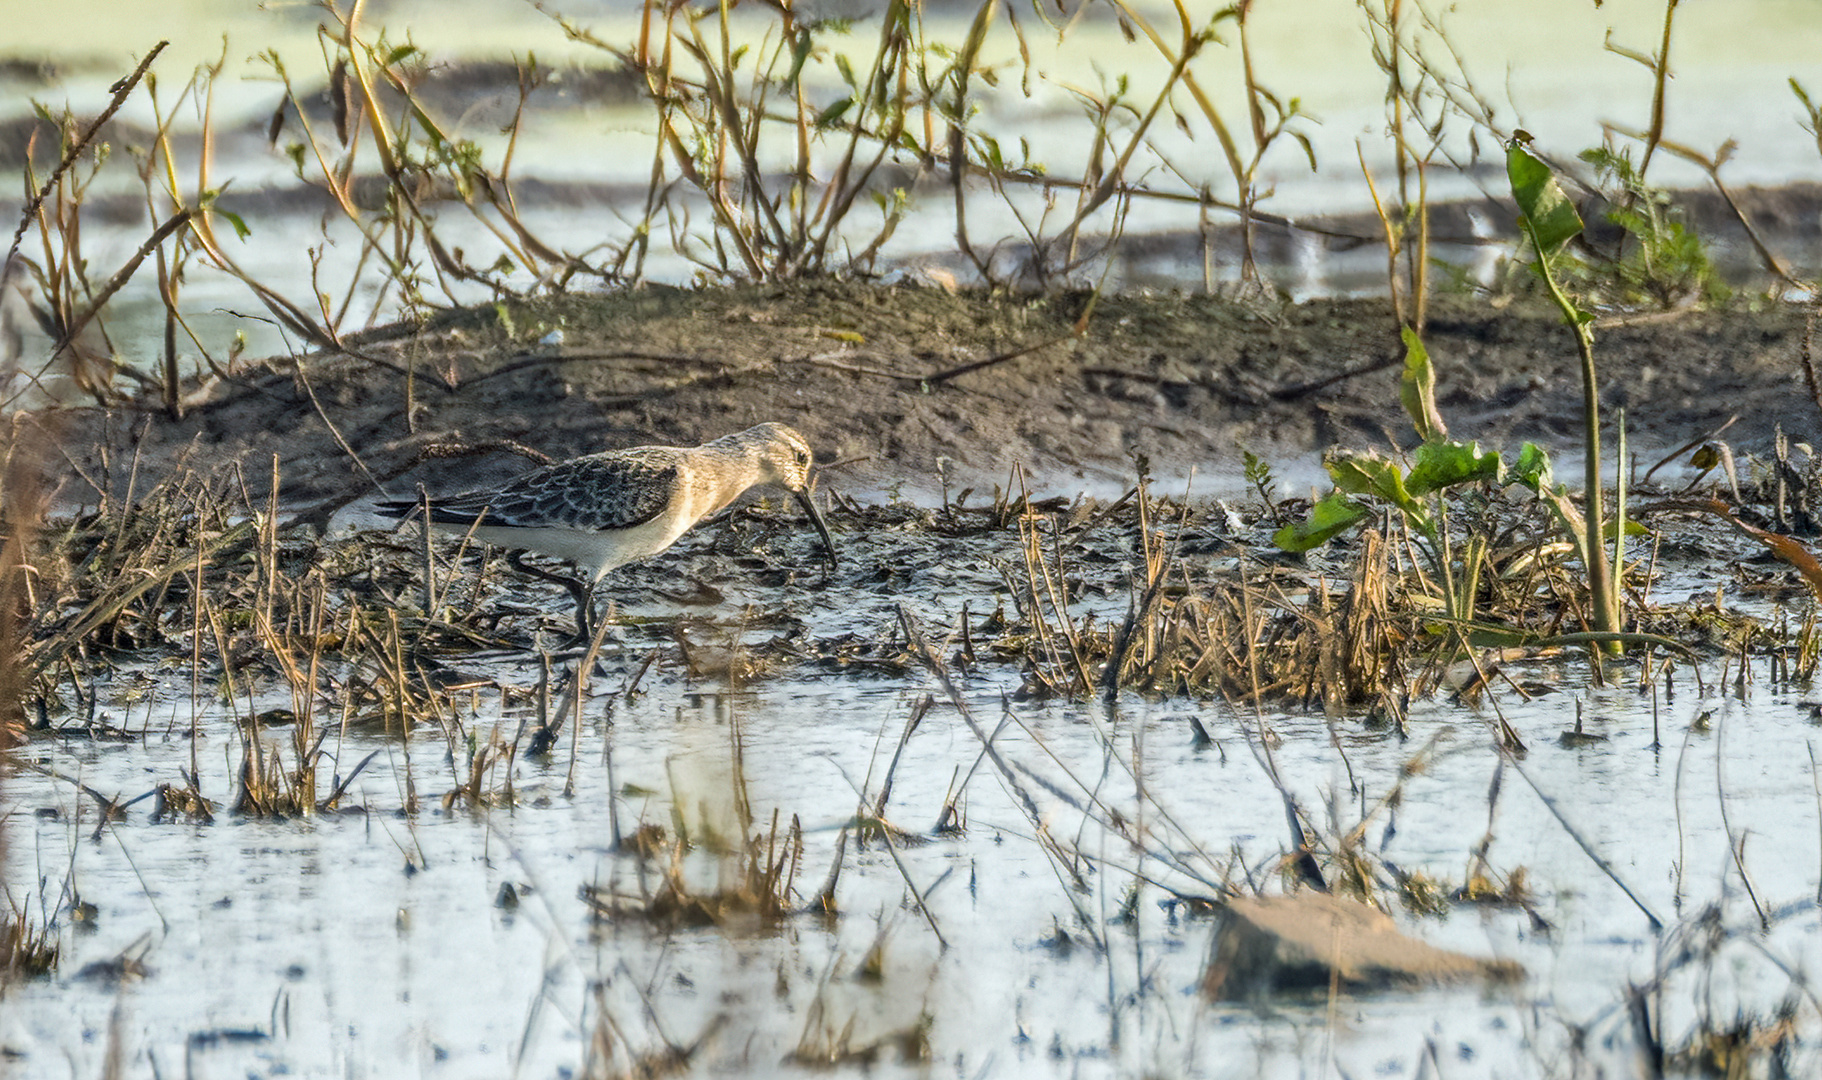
[
  {"x": 830, "y": 115},
  {"x": 1532, "y": 468},
  {"x": 995, "y": 159},
  {"x": 1304, "y": 141},
  {"x": 800, "y": 53},
  {"x": 1369, "y": 474},
  {"x": 1533, "y": 471},
  {"x": 1329, "y": 518},
  {"x": 1417, "y": 388},
  {"x": 240, "y": 227},
  {"x": 1442, "y": 464},
  {"x": 1549, "y": 218}
]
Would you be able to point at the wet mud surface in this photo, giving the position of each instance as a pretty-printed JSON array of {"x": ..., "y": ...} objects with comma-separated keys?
[{"x": 916, "y": 389}]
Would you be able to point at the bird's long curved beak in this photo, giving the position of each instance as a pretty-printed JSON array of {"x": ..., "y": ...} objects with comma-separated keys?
[{"x": 822, "y": 527}]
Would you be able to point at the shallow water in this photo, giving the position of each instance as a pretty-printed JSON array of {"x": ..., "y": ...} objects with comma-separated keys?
[{"x": 372, "y": 941}]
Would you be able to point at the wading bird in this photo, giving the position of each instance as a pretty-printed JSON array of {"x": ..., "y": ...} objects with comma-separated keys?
[{"x": 606, "y": 509}]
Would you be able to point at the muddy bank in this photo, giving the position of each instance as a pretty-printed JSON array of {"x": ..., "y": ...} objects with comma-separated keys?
[{"x": 906, "y": 386}]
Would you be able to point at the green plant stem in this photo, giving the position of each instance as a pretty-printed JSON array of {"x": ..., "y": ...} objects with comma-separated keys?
[
  {"x": 1600, "y": 582},
  {"x": 1619, "y": 517},
  {"x": 1438, "y": 535}
]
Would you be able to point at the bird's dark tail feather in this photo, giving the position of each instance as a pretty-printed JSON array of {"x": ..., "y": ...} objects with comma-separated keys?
[{"x": 407, "y": 509}]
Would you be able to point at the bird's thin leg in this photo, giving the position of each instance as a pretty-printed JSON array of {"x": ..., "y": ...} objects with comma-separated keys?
[
  {"x": 586, "y": 624},
  {"x": 584, "y": 595},
  {"x": 585, "y": 613}
]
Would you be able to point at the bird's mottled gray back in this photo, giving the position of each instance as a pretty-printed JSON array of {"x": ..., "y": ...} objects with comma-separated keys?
[{"x": 615, "y": 490}]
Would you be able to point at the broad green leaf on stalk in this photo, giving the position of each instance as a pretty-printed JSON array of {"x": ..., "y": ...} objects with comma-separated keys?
[
  {"x": 1532, "y": 468},
  {"x": 1442, "y": 464},
  {"x": 1417, "y": 389},
  {"x": 846, "y": 69},
  {"x": 1332, "y": 516},
  {"x": 1370, "y": 474},
  {"x": 1548, "y": 217}
]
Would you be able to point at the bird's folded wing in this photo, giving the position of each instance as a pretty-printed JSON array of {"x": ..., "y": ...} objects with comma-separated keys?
[{"x": 605, "y": 491}]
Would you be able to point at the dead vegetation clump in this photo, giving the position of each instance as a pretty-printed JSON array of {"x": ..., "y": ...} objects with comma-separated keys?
[
  {"x": 192, "y": 573},
  {"x": 754, "y": 869},
  {"x": 753, "y": 886},
  {"x": 1262, "y": 633},
  {"x": 1362, "y": 631},
  {"x": 26, "y": 951}
]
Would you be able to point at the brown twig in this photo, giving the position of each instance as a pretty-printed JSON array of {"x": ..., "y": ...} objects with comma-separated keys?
[
  {"x": 1304, "y": 389},
  {"x": 542, "y": 359},
  {"x": 1790, "y": 551},
  {"x": 945, "y": 376},
  {"x": 1806, "y": 352},
  {"x": 120, "y": 278},
  {"x": 119, "y": 90}
]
